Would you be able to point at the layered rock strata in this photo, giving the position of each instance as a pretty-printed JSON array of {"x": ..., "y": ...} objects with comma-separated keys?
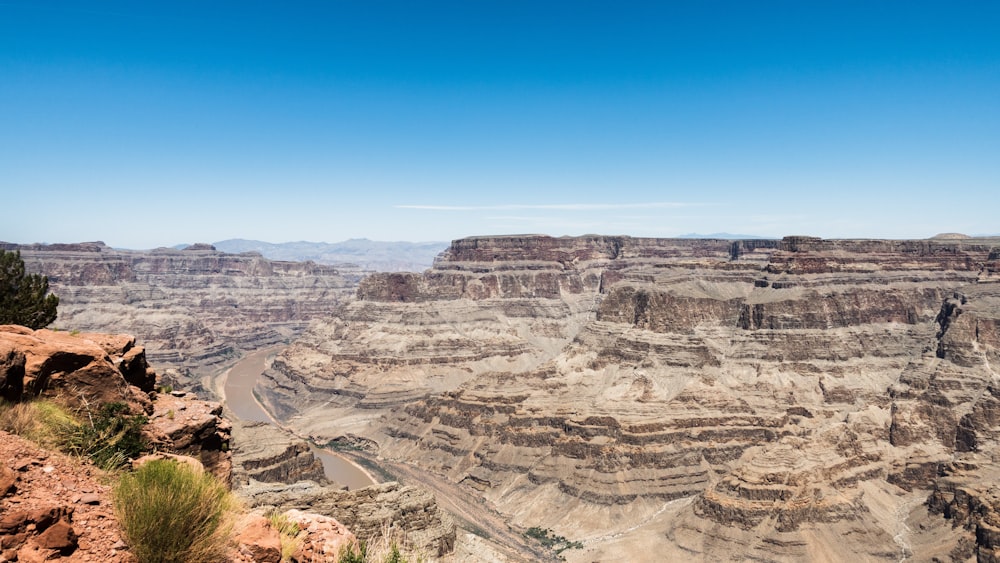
[
  {"x": 195, "y": 308},
  {"x": 276, "y": 472},
  {"x": 700, "y": 398},
  {"x": 270, "y": 455},
  {"x": 391, "y": 509}
]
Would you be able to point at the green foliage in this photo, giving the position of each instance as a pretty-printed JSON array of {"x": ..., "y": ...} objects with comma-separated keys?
[
  {"x": 394, "y": 556},
  {"x": 385, "y": 550},
  {"x": 109, "y": 437},
  {"x": 172, "y": 513},
  {"x": 24, "y": 298},
  {"x": 353, "y": 553},
  {"x": 551, "y": 541}
]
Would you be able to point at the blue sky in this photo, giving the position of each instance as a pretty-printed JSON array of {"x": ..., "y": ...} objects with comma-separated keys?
[{"x": 149, "y": 124}]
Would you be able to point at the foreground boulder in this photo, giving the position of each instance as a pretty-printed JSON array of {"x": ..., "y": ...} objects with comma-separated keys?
[
  {"x": 85, "y": 371},
  {"x": 81, "y": 368}
]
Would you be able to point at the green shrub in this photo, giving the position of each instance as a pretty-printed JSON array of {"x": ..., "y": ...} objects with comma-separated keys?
[
  {"x": 172, "y": 513},
  {"x": 353, "y": 553},
  {"x": 551, "y": 541},
  {"x": 109, "y": 437},
  {"x": 382, "y": 549}
]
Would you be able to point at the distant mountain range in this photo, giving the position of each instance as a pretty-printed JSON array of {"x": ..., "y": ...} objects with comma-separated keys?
[
  {"x": 723, "y": 236},
  {"x": 365, "y": 254}
]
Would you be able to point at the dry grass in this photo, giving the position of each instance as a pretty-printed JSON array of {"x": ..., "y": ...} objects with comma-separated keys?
[
  {"x": 43, "y": 421},
  {"x": 289, "y": 533},
  {"x": 383, "y": 548},
  {"x": 171, "y": 513},
  {"x": 108, "y": 437}
]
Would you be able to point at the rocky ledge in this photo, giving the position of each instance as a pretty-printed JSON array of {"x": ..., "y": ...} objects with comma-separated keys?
[{"x": 688, "y": 398}]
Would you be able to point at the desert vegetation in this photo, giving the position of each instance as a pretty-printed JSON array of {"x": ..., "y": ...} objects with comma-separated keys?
[
  {"x": 108, "y": 437},
  {"x": 171, "y": 512}
]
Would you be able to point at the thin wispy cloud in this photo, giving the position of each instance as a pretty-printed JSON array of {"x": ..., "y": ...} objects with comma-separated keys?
[{"x": 554, "y": 206}]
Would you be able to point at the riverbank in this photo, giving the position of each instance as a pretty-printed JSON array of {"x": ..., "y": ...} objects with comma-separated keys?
[{"x": 235, "y": 387}]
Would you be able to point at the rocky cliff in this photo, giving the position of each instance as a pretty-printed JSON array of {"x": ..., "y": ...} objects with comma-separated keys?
[
  {"x": 689, "y": 398},
  {"x": 56, "y": 507},
  {"x": 194, "y": 309}
]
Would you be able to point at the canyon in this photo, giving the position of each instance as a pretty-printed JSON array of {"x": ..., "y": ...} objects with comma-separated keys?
[
  {"x": 707, "y": 399},
  {"x": 196, "y": 310},
  {"x": 650, "y": 399}
]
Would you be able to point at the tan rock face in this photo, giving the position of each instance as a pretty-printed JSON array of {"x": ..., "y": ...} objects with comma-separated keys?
[
  {"x": 265, "y": 453},
  {"x": 753, "y": 398},
  {"x": 193, "y": 309},
  {"x": 404, "y": 511}
]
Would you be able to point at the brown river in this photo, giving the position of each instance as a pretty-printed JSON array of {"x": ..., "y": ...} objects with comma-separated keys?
[{"x": 239, "y": 398}]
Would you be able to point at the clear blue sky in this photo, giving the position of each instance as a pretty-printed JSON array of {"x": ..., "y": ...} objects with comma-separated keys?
[{"x": 153, "y": 123}]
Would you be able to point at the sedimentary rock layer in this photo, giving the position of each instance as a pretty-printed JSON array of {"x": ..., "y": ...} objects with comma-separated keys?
[
  {"x": 194, "y": 309},
  {"x": 701, "y": 398}
]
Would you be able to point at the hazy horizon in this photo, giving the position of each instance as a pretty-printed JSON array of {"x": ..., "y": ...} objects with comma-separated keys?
[{"x": 148, "y": 125}]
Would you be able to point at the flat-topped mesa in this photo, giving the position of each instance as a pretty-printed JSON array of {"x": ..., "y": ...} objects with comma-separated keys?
[
  {"x": 570, "y": 251},
  {"x": 544, "y": 267},
  {"x": 812, "y": 255},
  {"x": 521, "y": 248}
]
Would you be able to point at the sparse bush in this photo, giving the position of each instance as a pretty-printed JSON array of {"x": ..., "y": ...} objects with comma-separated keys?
[
  {"x": 353, "y": 553},
  {"x": 551, "y": 541},
  {"x": 383, "y": 548},
  {"x": 172, "y": 513},
  {"x": 109, "y": 437}
]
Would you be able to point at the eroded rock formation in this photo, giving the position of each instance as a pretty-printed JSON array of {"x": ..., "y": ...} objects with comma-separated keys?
[
  {"x": 275, "y": 471},
  {"x": 695, "y": 398},
  {"x": 270, "y": 455},
  {"x": 194, "y": 309},
  {"x": 387, "y": 508}
]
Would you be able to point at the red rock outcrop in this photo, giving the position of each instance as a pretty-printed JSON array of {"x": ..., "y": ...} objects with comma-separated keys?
[
  {"x": 54, "y": 508},
  {"x": 80, "y": 367},
  {"x": 88, "y": 370}
]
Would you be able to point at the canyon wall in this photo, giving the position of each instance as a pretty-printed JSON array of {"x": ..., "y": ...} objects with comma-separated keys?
[
  {"x": 194, "y": 309},
  {"x": 712, "y": 399}
]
